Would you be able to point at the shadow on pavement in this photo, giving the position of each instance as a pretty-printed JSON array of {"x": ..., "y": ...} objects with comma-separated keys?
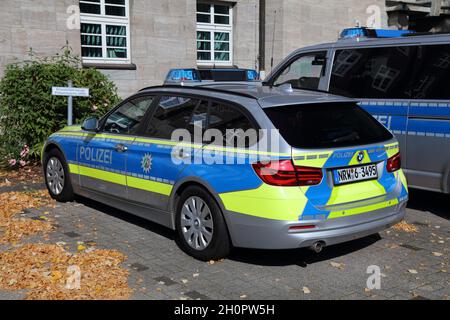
[
  {"x": 433, "y": 202},
  {"x": 301, "y": 257}
]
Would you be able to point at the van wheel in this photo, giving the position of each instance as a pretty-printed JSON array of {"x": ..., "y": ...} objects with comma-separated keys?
[
  {"x": 202, "y": 232},
  {"x": 57, "y": 177}
]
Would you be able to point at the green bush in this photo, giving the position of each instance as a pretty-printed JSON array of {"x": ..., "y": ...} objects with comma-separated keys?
[{"x": 28, "y": 111}]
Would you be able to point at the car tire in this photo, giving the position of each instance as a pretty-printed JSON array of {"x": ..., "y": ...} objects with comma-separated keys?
[
  {"x": 57, "y": 177},
  {"x": 197, "y": 226}
]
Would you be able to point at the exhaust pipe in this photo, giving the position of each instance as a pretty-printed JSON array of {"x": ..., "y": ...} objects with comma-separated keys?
[{"x": 317, "y": 246}]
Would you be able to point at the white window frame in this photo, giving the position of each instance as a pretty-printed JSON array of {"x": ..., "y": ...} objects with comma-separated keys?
[
  {"x": 212, "y": 27},
  {"x": 103, "y": 19}
]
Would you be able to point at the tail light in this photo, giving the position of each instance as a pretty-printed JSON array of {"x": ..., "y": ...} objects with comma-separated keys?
[
  {"x": 284, "y": 173},
  {"x": 394, "y": 163}
]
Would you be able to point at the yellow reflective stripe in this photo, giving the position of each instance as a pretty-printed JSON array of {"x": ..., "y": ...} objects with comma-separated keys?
[
  {"x": 113, "y": 137},
  {"x": 270, "y": 202},
  {"x": 400, "y": 174},
  {"x": 73, "y": 168},
  {"x": 315, "y": 160},
  {"x": 355, "y": 211},
  {"x": 147, "y": 185},
  {"x": 392, "y": 150},
  {"x": 172, "y": 143},
  {"x": 69, "y": 134},
  {"x": 71, "y": 128},
  {"x": 245, "y": 151},
  {"x": 103, "y": 175},
  {"x": 356, "y": 192},
  {"x": 120, "y": 179}
]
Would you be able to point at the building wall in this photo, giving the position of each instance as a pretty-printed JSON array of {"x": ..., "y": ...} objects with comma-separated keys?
[
  {"x": 37, "y": 24},
  {"x": 163, "y": 36},
  {"x": 163, "y": 32},
  {"x": 307, "y": 22}
]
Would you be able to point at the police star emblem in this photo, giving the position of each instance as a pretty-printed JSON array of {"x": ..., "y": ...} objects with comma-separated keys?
[{"x": 146, "y": 163}]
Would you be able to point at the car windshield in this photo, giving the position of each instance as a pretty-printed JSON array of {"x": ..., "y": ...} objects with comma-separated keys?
[{"x": 327, "y": 125}]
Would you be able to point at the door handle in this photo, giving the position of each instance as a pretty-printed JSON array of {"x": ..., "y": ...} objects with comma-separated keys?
[
  {"x": 181, "y": 155},
  {"x": 121, "y": 148}
]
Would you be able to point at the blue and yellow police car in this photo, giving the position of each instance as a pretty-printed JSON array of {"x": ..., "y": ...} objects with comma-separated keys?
[{"x": 236, "y": 165}]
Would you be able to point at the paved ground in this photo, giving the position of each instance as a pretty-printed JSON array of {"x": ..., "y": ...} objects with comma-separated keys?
[{"x": 413, "y": 265}]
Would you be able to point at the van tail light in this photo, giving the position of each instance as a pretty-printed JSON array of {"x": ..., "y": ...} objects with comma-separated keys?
[
  {"x": 394, "y": 163},
  {"x": 284, "y": 173}
]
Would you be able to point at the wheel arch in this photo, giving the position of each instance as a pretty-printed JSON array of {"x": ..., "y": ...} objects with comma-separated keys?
[
  {"x": 191, "y": 181},
  {"x": 194, "y": 181},
  {"x": 50, "y": 146}
]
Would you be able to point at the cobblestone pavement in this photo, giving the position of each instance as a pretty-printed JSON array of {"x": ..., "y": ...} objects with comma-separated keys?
[{"x": 413, "y": 265}]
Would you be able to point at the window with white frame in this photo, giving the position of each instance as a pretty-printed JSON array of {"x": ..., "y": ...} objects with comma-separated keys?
[
  {"x": 214, "y": 34},
  {"x": 105, "y": 31}
]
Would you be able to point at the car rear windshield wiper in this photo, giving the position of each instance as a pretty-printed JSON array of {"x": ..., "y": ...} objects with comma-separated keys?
[{"x": 348, "y": 137}]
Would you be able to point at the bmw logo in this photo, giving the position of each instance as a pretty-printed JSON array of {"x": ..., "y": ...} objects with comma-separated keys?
[{"x": 360, "y": 157}]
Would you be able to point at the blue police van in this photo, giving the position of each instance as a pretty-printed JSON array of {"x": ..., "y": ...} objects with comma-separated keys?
[{"x": 400, "y": 77}]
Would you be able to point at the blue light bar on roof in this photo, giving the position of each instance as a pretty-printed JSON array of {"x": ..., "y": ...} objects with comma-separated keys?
[
  {"x": 180, "y": 75},
  {"x": 252, "y": 75},
  {"x": 385, "y": 33},
  {"x": 372, "y": 33}
]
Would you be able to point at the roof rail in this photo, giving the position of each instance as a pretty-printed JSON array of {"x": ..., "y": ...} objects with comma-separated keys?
[
  {"x": 203, "y": 88},
  {"x": 415, "y": 34}
]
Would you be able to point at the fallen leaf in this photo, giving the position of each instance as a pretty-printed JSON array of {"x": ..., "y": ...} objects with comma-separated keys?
[
  {"x": 337, "y": 265},
  {"x": 81, "y": 247},
  {"x": 306, "y": 290},
  {"x": 406, "y": 227}
]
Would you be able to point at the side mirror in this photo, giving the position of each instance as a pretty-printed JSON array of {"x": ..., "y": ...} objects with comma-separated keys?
[{"x": 90, "y": 124}]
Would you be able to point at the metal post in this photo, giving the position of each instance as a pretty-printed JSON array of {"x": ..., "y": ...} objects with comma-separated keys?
[
  {"x": 262, "y": 36},
  {"x": 70, "y": 105}
]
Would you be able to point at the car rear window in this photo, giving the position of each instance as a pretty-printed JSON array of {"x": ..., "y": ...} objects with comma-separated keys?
[{"x": 327, "y": 125}]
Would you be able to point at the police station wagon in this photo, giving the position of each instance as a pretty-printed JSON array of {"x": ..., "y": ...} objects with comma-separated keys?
[
  {"x": 317, "y": 170},
  {"x": 401, "y": 78}
]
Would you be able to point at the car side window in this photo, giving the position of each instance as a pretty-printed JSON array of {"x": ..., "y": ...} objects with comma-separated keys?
[
  {"x": 235, "y": 127},
  {"x": 172, "y": 113},
  {"x": 126, "y": 119},
  {"x": 304, "y": 73},
  {"x": 383, "y": 73}
]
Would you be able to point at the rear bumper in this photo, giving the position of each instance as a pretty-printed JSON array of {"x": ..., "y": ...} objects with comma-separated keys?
[{"x": 259, "y": 233}]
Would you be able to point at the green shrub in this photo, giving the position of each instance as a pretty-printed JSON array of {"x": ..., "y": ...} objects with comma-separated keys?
[{"x": 28, "y": 111}]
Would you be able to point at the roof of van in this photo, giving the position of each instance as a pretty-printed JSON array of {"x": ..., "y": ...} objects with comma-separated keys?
[
  {"x": 416, "y": 39},
  {"x": 266, "y": 96},
  {"x": 363, "y": 42}
]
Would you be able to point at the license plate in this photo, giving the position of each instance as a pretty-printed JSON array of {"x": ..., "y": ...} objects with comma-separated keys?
[{"x": 353, "y": 174}]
